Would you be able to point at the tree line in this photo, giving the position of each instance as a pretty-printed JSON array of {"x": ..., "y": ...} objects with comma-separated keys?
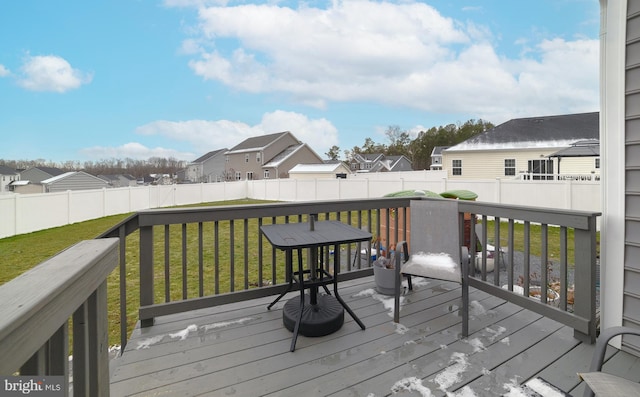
[
  {"x": 399, "y": 142},
  {"x": 418, "y": 150},
  {"x": 133, "y": 167}
]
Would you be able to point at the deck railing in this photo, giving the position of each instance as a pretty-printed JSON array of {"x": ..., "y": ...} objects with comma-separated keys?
[
  {"x": 570, "y": 303},
  {"x": 180, "y": 259},
  {"x": 38, "y": 306}
]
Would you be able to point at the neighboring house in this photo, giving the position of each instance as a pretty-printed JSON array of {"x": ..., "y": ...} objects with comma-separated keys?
[
  {"x": 7, "y": 176},
  {"x": 207, "y": 168},
  {"x": 74, "y": 180},
  {"x": 39, "y": 174},
  {"x": 319, "y": 171},
  {"x": 436, "y": 158},
  {"x": 378, "y": 162},
  {"x": 523, "y": 146},
  {"x": 267, "y": 157},
  {"x": 119, "y": 180}
]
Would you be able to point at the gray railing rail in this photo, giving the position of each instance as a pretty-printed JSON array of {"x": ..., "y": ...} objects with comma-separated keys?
[
  {"x": 581, "y": 315},
  {"x": 35, "y": 313}
]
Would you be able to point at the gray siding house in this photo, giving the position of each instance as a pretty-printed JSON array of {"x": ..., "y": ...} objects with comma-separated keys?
[
  {"x": 620, "y": 139},
  {"x": 207, "y": 168},
  {"x": 74, "y": 180},
  {"x": 267, "y": 157}
]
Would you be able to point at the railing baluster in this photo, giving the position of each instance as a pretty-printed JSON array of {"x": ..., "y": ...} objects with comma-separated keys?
[
  {"x": 184, "y": 261},
  {"x": 216, "y": 256},
  {"x": 146, "y": 270},
  {"x": 123, "y": 288},
  {"x": 526, "y": 267},
  {"x": 200, "y": 259},
  {"x": 260, "y": 253},
  {"x": 564, "y": 271},
  {"x": 510, "y": 249},
  {"x": 167, "y": 263},
  {"x": 80, "y": 359},
  {"x": 246, "y": 253},
  {"x": 232, "y": 256},
  {"x": 544, "y": 263},
  {"x": 496, "y": 251}
]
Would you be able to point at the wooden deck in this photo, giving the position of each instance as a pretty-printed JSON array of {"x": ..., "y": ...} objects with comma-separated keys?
[{"x": 242, "y": 349}]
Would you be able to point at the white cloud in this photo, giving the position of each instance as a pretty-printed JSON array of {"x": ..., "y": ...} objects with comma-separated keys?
[
  {"x": 405, "y": 54},
  {"x": 4, "y": 71},
  {"x": 134, "y": 150},
  {"x": 206, "y": 135},
  {"x": 51, "y": 73}
]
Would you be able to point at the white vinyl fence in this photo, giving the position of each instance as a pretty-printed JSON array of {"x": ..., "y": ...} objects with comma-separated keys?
[{"x": 25, "y": 213}]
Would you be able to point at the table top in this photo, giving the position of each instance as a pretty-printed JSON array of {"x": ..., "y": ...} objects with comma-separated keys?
[{"x": 300, "y": 235}]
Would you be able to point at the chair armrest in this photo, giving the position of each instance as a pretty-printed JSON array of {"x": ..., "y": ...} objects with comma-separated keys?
[{"x": 603, "y": 341}]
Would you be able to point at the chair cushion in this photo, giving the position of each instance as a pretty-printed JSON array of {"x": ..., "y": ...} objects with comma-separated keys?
[
  {"x": 433, "y": 265},
  {"x": 603, "y": 384}
]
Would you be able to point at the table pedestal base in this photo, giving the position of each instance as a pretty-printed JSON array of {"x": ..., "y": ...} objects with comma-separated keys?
[{"x": 323, "y": 318}]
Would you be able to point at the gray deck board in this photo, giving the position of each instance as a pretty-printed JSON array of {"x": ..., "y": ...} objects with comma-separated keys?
[{"x": 242, "y": 349}]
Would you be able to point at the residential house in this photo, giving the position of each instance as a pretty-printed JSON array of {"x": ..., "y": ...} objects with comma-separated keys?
[
  {"x": 524, "y": 146},
  {"x": 267, "y": 156},
  {"x": 436, "y": 158},
  {"x": 39, "y": 174},
  {"x": 207, "y": 168},
  {"x": 319, "y": 171},
  {"x": 620, "y": 138},
  {"x": 73, "y": 180},
  {"x": 378, "y": 162},
  {"x": 7, "y": 176},
  {"x": 120, "y": 180}
]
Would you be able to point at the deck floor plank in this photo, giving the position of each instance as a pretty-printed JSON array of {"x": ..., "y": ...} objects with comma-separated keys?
[{"x": 242, "y": 349}]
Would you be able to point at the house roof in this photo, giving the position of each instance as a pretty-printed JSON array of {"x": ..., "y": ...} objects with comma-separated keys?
[
  {"x": 586, "y": 148},
  {"x": 437, "y": 150},
  {"x": 4, "y": 170},
  {"x": 51, "y": 170},
  {"x": 547, "y": 131},
  {"x": 316, "y": 168},
  {"x": 58, "y": 177},
  {"x": 258, "y": 142},
  {"x": 283, "y": 155},
  {"x": 209, "y": 155}
]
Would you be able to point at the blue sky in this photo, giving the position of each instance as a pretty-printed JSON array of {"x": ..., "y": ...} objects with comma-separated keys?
[{"x": 92, "y": 80}]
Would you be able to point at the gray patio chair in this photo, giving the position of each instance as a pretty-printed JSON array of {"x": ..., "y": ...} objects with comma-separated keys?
[
  {"x": 601, "y": 383},
  {"x": 436, "y": 251}
]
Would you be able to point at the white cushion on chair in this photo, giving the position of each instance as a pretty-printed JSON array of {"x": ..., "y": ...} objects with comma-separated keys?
[{"x": 433, "y": 265}]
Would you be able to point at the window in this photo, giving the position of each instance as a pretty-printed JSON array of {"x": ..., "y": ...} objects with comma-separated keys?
[
  {"x": 249, "y": 176},
  {"x": 509, "y": 167},
  {"x": 258, "y": 157},
  {"x": 266, "y": 174},
  {"x": 246, "y": 158},
  {"x": 456, "y": 167},
  {"x": 238, "y": 176},
  {"x": 597, "y": 163},
  {"x": 226, "y": 158},
  {"x": 541, "y": 169}
]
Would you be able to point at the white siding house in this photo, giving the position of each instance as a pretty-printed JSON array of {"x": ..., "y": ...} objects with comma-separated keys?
[
  {"x": 319, "y": 171},
  {"x": 524, "y": 146}
]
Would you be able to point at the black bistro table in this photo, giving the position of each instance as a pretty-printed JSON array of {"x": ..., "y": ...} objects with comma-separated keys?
[{"x": 313, "y": 314}]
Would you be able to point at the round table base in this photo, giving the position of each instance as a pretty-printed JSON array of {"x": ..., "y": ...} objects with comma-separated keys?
[{"x": 324, "y": 318}]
